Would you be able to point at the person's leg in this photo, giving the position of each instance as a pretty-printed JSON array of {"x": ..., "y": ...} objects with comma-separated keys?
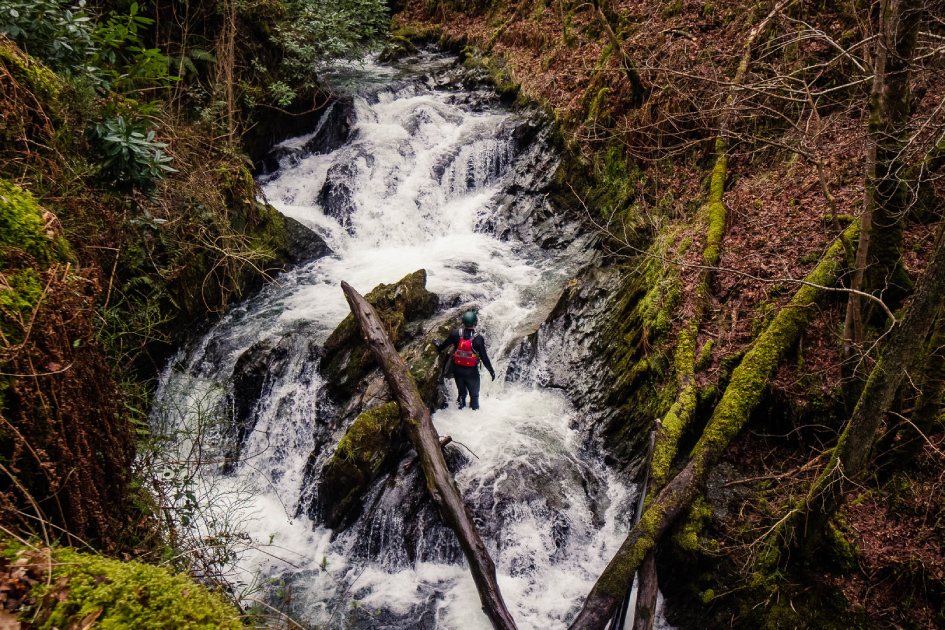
[
  {"x": 473, "y": 384},
  {"x": 461, "y": 386}
]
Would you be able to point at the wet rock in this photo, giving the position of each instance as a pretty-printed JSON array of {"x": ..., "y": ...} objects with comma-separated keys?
[
  {"x": 347, "y": 360},
  {"x": 430, "y": 116},
  {"x": 331, "y": 132},
  {"x": 396, "y": 48},
  {"x": 303, "y": 244},
  {"x": 596, "y": 334},
  {"x": 373, "y": 442},
  {"x": 256, "y": 371},
  {"x": 335, "y": 489},
  {"x": 336, "y": 196},
  {"x": 401, "y": 525},
  {"x": 356, "y": 388}
]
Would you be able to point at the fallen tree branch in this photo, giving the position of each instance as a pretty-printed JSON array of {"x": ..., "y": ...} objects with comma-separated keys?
[{"x": 440, "y": 483}]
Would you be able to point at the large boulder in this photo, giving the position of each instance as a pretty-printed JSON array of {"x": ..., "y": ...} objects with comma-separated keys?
[
  {"x": 346, "y": 359},
  {"x": 373, "y": 443},
  {"x": 302, "y": 243},
  {"x": 336, "y": 196},
  {"x": 332, "y": 128},
  {"x": 375, "y": 440}
]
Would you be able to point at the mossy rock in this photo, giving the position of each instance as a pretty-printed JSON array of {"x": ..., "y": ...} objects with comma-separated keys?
[
  {"x": 32, "y": 107},
  {"x": 347, "y": 360},
  {"x": 37, "y": 78},
  {"x": 376, "y": 439},
  {"x": 426, "y": 363},
  {"x": 372, "y": 444},
  {"x": 23, "y": 227},
  {"x": 87, "y": 590},
  {"x": 397, "y": 47}
]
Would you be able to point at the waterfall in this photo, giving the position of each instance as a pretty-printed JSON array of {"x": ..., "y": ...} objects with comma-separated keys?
[{"x": 439, "y": 177}]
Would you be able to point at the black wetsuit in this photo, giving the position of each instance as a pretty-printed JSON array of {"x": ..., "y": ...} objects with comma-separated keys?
[{"x": 467, "y": 377}]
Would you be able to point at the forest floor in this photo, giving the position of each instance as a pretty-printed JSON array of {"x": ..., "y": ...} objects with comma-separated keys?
[{"x": 779, "y": 224}]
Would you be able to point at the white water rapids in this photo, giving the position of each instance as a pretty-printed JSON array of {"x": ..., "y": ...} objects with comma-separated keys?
[{"x": 423, "y": 170}]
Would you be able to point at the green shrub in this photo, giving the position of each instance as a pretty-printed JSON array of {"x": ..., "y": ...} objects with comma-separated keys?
[
  {"x": 316, "y": 30},
  {"x": 55, "y": 31},
  {"x": 122, "y": 62},
  {"x": 130, "y": 156}
]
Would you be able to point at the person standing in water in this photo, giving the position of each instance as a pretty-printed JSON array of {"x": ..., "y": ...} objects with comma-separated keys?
[{"x": 470, "y": 350}]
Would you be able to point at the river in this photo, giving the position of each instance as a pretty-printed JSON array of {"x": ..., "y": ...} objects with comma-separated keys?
[{"x": 435, "y": 174}]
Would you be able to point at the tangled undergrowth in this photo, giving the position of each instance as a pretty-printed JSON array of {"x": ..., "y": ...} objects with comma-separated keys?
[{"x": 95, "y": 281}]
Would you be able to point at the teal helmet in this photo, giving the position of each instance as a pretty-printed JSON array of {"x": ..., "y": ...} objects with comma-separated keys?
[{"x": 470, "y": 319}]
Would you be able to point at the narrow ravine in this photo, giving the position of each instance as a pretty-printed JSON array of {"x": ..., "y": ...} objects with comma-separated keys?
[{"x": 433, "y": 176}]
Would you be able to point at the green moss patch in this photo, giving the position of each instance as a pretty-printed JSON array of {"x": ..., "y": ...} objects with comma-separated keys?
[
  {"x": 86, "y": 591},
  {"x": 346, "y": 357},
  {"x": 22, "y": 225},
  {"x": 372, "y": 443}
]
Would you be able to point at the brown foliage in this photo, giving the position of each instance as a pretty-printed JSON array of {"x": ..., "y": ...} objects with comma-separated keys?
[{"x": 66, "y": 437}]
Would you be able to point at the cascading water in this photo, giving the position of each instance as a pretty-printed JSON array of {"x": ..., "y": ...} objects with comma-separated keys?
[{"x": 427, "y": 180}]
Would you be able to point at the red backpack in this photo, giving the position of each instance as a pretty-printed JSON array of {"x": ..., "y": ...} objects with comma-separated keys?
[{"x": 464, "y": 354}]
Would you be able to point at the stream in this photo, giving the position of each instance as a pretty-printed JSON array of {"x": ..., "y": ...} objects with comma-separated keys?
[{"x": 425, "y": 169}]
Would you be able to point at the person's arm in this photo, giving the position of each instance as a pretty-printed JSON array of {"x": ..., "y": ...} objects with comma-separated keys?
[
  {"x": 479, "y": 345},
  {"x": 451, "y": 340}
]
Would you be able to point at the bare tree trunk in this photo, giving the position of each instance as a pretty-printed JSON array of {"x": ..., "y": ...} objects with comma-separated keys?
[
  {"x": 229, "y": 61},
  {"x": 742, "y": 395},
  {"x": 851, "y": 454},
  {"x": 440, "y": 483},
  {"x": 647, "y": 590}
]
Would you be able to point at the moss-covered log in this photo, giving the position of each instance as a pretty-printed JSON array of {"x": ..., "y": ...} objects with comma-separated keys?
[
  {"x": 742, "y": 395},
  {"x": 677, "y": 418}
]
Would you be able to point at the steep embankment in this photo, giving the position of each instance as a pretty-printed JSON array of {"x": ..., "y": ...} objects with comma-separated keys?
[
  {"x": 98, "y": 280},
  {"x": 719, "y": 148}
]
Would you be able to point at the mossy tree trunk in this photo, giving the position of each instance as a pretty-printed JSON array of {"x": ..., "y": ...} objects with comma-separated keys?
[
  {"x": 742, "y": 395},
  {"x": 929, "y": 404},
  {"x": 638, "y": 90},
  {"x": 890, "y": 106},
  {"x": 680, "y": 413},
  {"x": 807, "y": 524}
]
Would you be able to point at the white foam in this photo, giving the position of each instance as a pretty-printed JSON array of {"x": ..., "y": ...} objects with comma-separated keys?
[{"x": 426, "y": 174}]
